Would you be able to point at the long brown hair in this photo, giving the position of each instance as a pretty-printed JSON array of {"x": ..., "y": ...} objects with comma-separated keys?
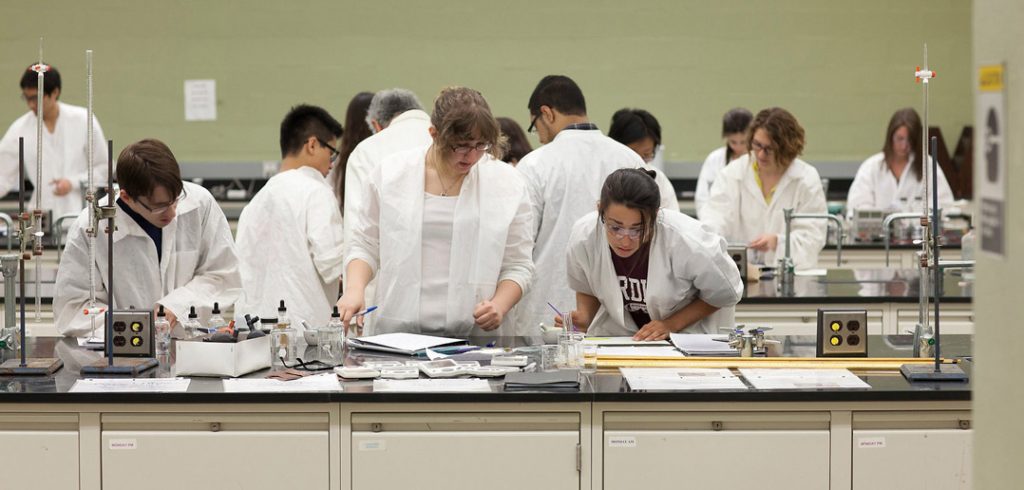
[
  {"x": 636, "y": 189},
  {"x": 356, "y": 130},
  {"x": 906, "y": 117}
]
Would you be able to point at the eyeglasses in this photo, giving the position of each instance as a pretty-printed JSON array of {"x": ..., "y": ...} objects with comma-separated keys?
[
  {"x": 464, "y": 149},
  {"x": 334, "y": 153},
  {"x": 533, "y": 125},
  {"x": 307, "y": 365},
  {"x": 164, "y": 207},
  {"x": 622, "y": 232},
  {"x": 758, "y": 147}
]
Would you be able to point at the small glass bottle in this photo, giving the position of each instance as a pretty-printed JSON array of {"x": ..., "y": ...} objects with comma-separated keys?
[
  {"x": 162, "y": 332},
  {"x": 216, "y": 320},
  {"x": 191, "y": 325},
  {"x": 283, "y": 338},
  {"x": 331, "y": 340}
]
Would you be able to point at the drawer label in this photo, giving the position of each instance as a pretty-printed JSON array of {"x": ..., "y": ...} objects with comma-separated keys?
[
  {"x": 622, "y": 441},
  {"x": 372, "y": 446},
  {"x": 870, "y": 443},
  {"x": 119, "y": 444}
]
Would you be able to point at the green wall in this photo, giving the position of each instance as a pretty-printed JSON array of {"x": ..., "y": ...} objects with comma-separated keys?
[{"x": 841, "y": 66}]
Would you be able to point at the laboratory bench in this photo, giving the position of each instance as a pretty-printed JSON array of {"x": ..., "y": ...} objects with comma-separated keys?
[
  {"x": 890, "y": 297},
  {"x": 604, "y": 436}
]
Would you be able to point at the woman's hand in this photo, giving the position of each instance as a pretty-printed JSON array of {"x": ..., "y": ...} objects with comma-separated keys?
[
  {"x": 487, "y": 315},
  {"x": 351, "y": 302},
  {"x": 765, "y": 243},
  {"x": 654, "y": 330}
]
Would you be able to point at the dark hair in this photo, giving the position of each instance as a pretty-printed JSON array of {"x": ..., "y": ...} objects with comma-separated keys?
[
  {"x": 518, "y": 145},
  {"x": 636, "y": 189},
  {"x": 558, "y": 92},
  {"x": 783, "y": 129},
  {"x": 632, "y": 125},
  {"x": 906, "y": 117},
  {"x": 357, "y": 130},
  {"x": 304, "y": 121},
  {"x": 51, "y": 78},
  {"x": 737, "y": 120},
  {"x": 145, "y": 165},
  {"x": 461, "y": 114}
]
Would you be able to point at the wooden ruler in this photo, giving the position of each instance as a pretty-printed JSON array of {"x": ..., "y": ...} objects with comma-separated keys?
[{"x": 881, "y": 364}]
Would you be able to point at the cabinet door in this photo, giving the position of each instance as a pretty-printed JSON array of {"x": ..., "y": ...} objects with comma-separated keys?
[
  {"x": 957, "y": 318},
  {"x": 163, "y": 451},
  {"x": 717, "y": 451},
  {"x": 857, "y": 259},
  {"x": 435, "y": 451},
  {"x": 912, "y": 451},
  {"x": 39, "y": 450}
]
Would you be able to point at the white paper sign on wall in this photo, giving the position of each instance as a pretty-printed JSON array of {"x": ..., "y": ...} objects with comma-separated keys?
[
  {"x": 200, "y": 100},
  {"x": 990, "y": 166}
]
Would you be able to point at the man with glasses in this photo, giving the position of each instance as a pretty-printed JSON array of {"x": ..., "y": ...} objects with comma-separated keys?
[
  {"x": 172, "y": 246},
  {"x": 65, "y": 139},
  {"x": 289, "y": 236},
  {"x": 564, "y": 178}
]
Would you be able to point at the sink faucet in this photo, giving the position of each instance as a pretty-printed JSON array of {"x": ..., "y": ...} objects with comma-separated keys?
[
  {"x": 887, "y": 228},
  {"x": 787, "y": 261}
]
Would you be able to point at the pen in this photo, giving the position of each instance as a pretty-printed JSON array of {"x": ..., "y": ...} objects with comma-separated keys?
[
  {"x": 368, "y": 310},
  {"x": 559, "y": 313}
]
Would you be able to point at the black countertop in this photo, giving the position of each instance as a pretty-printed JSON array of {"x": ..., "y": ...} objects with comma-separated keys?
[
  {"x": 856, "y": 286},
  {"x": 602, "y": 386}
]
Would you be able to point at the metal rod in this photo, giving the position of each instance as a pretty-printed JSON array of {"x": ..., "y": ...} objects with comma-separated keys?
[
  {"x": 89, "y": 196},
  {"x": 935, "y": 248},
  {"x": 21, "y": 260},
  {"x": 110, "y": 253},
  {"x": 37, "y": 226}
]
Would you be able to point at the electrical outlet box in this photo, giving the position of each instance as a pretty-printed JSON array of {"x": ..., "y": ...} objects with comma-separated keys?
[
  {"x": 739, "y": 255},
  {"x": 132, "y": 334},
  {"x": 842, "y": 333}
]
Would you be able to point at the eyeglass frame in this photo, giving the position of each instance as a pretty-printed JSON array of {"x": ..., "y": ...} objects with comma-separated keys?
[
  {"x": 301, "y": 365},
  {"x": 533, "y": 124},
  {"x": 465, "y": 149},
  {"x": 163, "y": 209},
  {"x": 625, "y": 232},
  {"x": 335, "y": 154},
  {"x": 756, "y": 147}
]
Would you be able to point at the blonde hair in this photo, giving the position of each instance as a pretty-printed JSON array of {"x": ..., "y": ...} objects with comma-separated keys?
[{"x": 461, "y": 114}]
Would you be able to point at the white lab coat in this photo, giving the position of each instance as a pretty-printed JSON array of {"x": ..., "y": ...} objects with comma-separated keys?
[
  {"x": 565, "y": 178},
  {"x": 687, "y": 261},
  {"x": 289, "y": 243},
  {"x": 491, "y": 241},
  {"x": 408, "y": 130},
  {"x": 737, "y": 209},
  {"x": 198, "y": 267},
  {"x": 64, "y": 157},
  {"x": 713, "y": 164},
  {"x": 875, "y": 187}
]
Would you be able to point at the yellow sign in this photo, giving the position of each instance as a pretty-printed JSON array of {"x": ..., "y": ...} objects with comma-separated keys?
[{"x": 990, "y": 78}]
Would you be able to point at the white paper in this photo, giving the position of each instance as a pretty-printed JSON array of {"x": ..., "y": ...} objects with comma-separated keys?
[
  {"x": 200, "y": 100},
  {"x": 135, "y": 385},
  {"x": 433, "y": 385},
  {"x": 411, "y": 342},
  {"x": 802, "y": 379},
  {"x": 318, "y": 382},
  {"x": 622, "y": 341},
  {"x": 626, "y": 351},
  {"x": 812, "y": 272},
  {"x": 434, "y": 355},
  {"x": 681, "y": 379},
  {"x": 702, "y": 344}
]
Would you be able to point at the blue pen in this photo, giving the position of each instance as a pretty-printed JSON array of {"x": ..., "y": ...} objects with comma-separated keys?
[
  {"x": 560, "y": 315},
  {"x": 368, "y": 310}
]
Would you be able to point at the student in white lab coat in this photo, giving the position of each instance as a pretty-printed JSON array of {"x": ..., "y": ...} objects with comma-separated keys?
[
  {"x": 289, "y": 236},
  {"x": 641, "y": 132},
  {"x": 65, "y": 153},
  {"x": 749, "y": 196},
  {"x": 564, "y": 177},
  {"x": 172, "y": 246},
  {"x": 734, "y": 131},
  {"x": 446, "y": 228},
  {"x": 645, "y": 272},
  {"x": 893, "y": 179}
]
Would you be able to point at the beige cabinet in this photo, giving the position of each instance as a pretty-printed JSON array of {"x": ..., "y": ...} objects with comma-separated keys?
[
  {"x": 957, "y": 318},
  {"x": 175, "y": 451},
  {"x": 800, "y": 319},
  {"x": 453, "y": 451},
  {"x": 39, "y": 450},
  {"x": 912, "y": 451},
  {"x": 708, "y": 450}
]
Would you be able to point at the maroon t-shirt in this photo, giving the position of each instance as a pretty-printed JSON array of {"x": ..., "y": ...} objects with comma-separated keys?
[{"x": 632, "y": 274}]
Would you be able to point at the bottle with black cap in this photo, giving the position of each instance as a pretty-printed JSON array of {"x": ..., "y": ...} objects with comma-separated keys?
[
  {"x": 283, "y": 338},
  {"x": 216, "y": 320},
  {"x": 162, "y": 332},
  {"x": 192, "y": 325},
  {"x": 332, "y": 340}
]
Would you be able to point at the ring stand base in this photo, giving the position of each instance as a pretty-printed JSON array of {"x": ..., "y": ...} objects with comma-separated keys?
[
  {"x": 43, "y": 366},
  {"x": 927, "y": 372},
  {"x": 130, "y": 366}
]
